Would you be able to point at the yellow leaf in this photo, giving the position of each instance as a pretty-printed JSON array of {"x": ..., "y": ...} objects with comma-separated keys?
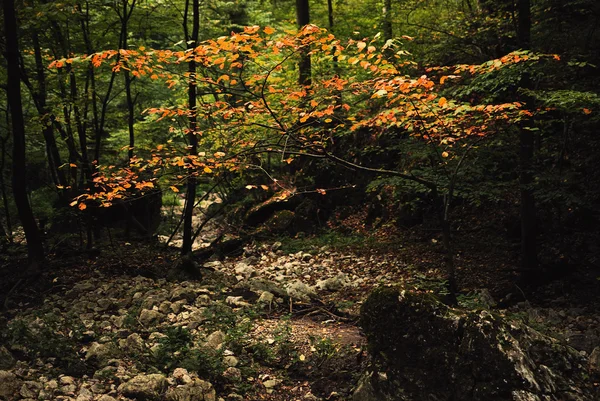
[
  {"x": 174, "y": 189},
  {"x": 266, "y": 188},
  {"x": 445, "y": 154},
  {"x": 207, "y": 170},
  {"x": 302, "y": 357},
  {"x": 73, "y": 203}
]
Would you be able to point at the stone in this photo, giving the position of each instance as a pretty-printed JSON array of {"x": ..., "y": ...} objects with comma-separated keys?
[
  {"x": 331, "y": 284},
  {"x": 182, "y": 293},
  {"x": 6, "y": 359},
  {"x": 266, "y": 297},
  {"x": 594, "y": 363},
  {"x": 230, "y": 361},
  {"x": 165, "y": 307},
  {"x": 233, "y": 374},
  {"x": 182, "y": 376},
  {"x": 9, "y": 385},
  {"x": 145, "y": 387},
  {"x": 134, "y": 342},
  {"x": 31, "y": 389},
  {"x": 149, "y": 317},
  {"x": 244, "y": 270},
  {"x": 300, "y": 291},
  {"x": 236, "y": 301},
  {"x": 215, "y": 340},
  {"x": 271, "y": 383},
  {"x": 106, "y": 397},
  {"x": 100, "y": 353},
  {"x": 196, "y": 390},
  {"x": 426, "y": 350}
]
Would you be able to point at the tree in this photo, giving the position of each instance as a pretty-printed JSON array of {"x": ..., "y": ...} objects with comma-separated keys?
[
  {"x": 34, "y": 240},
  {"x": 190, "y": 198},
  {"x": 304, "y": 66},
  {"x": 526, "y": 146}
]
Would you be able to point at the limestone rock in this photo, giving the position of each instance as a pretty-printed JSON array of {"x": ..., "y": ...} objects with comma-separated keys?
[
  {"x": 6, "y": 359},
  {"x": 9, "y": 385},
  {"x": 232, "y": 374},
  {"x": 215, "y": 340},
  {"x": 145, "y": 387},
  {"x": 300, "y": 291},
  {"x": 594, "y": 363},
  {"x": 100, "y": 353},
  {"x": 149, "y": 317},
  {"x": 424, "y": 349},
  {"x": 196, "y": 390}
]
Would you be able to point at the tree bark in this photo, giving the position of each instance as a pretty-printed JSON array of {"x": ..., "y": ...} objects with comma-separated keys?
[
  {"x": 192, "y": 126},
  {"x": 35, "y": 247},
  {"x": 387, "y": 20},
  {"x": 304, "y": 66},
  {"x": 529, "y": 262},
  {"x": 54, "y": 159}
]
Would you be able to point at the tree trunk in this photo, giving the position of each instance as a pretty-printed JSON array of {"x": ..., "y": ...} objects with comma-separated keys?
[
  {"x": 304, "y": 66},
  {"x": 190, "y": 196},
  {"x": 3, "y": 185},
  {"x": 34, "y": 240},
  {"x": 387, "y": 20},
  {"x": 130, "y": 106},
  {"x": 529, "y": 262},
  {"x": 54, "y": 159}
]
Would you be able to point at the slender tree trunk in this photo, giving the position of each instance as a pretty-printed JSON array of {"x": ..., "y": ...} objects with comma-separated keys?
[
  {"x": 54, "y": 159},
  {"x": 193, "y": 140},
  {"x": 304, "y": 66},
  {"x": 34, "y": 240},
  {"x": 3, "y": 185},
  {"x": 529, "y": 262},
  {"x": 130, "y": 106},
  {"x": 387, "y": 20}
]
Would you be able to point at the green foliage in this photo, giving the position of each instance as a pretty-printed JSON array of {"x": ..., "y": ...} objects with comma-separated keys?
[
  {"x": 176, "y": 349},
  {"x": 47, "y": 335}
]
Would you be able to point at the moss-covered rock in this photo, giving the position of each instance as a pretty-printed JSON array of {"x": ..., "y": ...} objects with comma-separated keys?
[{"x": 425, "y": 350}]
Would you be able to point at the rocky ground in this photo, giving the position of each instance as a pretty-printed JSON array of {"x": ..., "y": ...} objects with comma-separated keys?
[{"x": 268, "y": 325}]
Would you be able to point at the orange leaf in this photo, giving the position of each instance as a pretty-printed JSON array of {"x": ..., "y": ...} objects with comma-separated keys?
[
  {"x": 587, "y": 111},
  {"x": 268, "y": 30},
  {"x": 82, "y": 206},
  {"x": 442, "y": 102}
]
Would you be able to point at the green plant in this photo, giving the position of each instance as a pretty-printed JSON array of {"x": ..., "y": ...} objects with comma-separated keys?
[
  {"x": 46, "y": 335},
  {"x": 323, "y": 348}
]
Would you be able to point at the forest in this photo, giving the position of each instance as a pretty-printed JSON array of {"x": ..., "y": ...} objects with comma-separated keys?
[{"x": 360, "y": 200}]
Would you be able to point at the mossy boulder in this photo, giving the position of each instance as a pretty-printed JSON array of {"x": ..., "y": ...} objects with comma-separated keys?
[{"x": 425, "y": 350}]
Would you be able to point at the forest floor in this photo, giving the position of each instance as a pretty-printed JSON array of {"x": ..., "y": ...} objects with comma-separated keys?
[{"x": 280, "y": 322}]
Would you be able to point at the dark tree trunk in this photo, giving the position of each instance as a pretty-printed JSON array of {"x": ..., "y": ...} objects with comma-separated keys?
[
  {"x": 387, "y": 20},
  {"x": 529, "y": 262},
  {"x": 3, "y": 185},
  {"x": 127, "y": 11},
  {"x": 34, "y": 240},
  {"x": 190, "y": 196},
  {"x": 304, "y": 66},
  {"x": 524, "y": 24}
]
